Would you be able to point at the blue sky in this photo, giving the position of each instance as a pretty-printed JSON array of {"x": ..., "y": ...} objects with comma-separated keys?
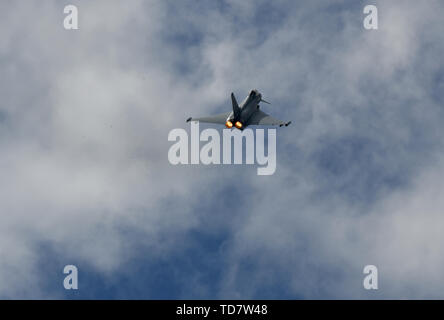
[{"x": 84, "y": 121}]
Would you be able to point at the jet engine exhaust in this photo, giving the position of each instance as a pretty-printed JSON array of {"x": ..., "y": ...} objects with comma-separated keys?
[
  {"x": 229, "y": 124},
  {"x": 238, "y": 124}
]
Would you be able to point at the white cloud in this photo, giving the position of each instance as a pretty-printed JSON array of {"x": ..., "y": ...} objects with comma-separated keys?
[{"x": 84, "y": 144}]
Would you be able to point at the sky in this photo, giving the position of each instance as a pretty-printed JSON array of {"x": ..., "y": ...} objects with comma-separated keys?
[{"x": 85, "y": 177}]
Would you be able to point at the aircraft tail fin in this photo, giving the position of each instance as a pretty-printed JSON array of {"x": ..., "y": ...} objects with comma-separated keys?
[{"x": 236, "y": 109}]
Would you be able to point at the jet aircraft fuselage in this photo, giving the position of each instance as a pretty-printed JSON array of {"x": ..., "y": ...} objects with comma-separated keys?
[
  {"x": 241, "y": 114},
  {"x": 248, "y": 113}
]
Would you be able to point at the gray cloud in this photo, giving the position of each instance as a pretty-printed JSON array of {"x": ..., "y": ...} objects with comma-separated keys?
[{"x": 84, "y": 122}]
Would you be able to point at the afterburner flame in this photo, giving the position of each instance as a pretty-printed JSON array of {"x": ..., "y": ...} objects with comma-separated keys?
[
  {"x": 229, "y": 124},
  {"x": 238, "y": 124}
]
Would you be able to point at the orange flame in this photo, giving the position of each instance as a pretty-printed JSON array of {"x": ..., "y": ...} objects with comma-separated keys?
[
  {"x": 229, "y": 124},
  {"x": 238, "y": 124}
]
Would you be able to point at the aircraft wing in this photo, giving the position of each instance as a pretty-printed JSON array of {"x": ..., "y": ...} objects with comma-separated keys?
[
  {"x": 263, "y": 119},
  {"x": 218, "y": 118}
]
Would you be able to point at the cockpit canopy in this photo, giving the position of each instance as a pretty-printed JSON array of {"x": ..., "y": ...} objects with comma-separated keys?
[{"x": 253, "y": 93}]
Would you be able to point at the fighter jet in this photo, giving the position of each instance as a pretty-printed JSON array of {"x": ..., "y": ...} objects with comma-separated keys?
[{"x": 247, "y": 114}]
